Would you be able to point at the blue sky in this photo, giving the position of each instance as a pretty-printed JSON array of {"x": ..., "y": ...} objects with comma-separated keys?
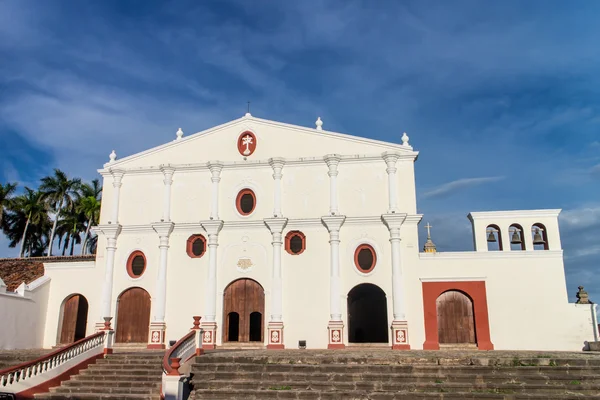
[{"x": 502, "y": 99}]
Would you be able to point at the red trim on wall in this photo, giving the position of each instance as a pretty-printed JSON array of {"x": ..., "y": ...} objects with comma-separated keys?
[
  {"x": 238, "y": 200},
  {"x": 130, "y": 262},
  {"x": 476, "y": 290},
  {"x": 370, "y": 248},
  {"x": 190, "y": 243},
  {"x": 155, "y": 346},
  {"x": 242, "y": 147},
  {"x": 288, "y": 239},
  {"x": 401, "y": 347}
]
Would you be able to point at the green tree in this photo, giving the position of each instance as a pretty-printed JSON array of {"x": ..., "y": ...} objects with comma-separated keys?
[
  {"x": 70, "y": 226},
  {"x": 7, "y": 192},
  {"x": 89, "y": 205},
  {"x": 59, "y": 191},
  {"x": 28, "y": 221}
]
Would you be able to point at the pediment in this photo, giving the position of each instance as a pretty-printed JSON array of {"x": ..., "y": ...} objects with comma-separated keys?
[{"x": 229, "y": 143}]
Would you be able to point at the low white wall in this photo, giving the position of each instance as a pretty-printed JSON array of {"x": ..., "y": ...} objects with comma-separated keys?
[{"x": 23, "y": 315}]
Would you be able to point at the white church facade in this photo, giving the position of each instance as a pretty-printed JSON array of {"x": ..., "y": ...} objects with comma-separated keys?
[{"x": 284, "y": 236}]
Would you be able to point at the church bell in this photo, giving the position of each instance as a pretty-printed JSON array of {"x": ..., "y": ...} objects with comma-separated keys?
[
  {"x": 491, "y": 237},
  {"x": 537, "y": 237},
  {"x": 516, "y": 237}
]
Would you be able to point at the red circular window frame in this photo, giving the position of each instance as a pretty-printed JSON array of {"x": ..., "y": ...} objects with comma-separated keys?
[
  {"x": 130, "y": 264},
  {"x": 190, "y": 243},
  {"x": 238, "y": 201},
  {"x": 241, "y": 147},
  {"x": 288, "y": 239},
  {"x": 357, "y": 265}
]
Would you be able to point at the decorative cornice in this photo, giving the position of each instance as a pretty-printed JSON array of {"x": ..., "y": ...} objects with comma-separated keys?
[
  {"x": 249, "y": 164},
  {"x": 163, "y": 229},
  {"x": 455, "y": 279},
  {"x": 513, "y": 214},
  {"x": 276, "y": 225},
  {"x": 393, "y": 221},
  {"x": 492, "y": 254},
  {"x": 212, "y": 226},
  {"x": 109, "y": 230},
  {"x": 333, "y": 222}
]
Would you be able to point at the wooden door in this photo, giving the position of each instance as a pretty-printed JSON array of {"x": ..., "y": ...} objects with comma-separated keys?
[
  {"x": 133, "y": 316},
  {"x": 69, "y": 320},
  {"x": 456, "y": 323},
  {"x": 243, "y": 297}
]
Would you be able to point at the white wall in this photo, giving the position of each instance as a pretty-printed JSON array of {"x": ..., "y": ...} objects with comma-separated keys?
[{"x": 22, "y": 316}]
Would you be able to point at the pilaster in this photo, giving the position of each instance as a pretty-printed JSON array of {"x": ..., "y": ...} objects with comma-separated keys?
[
  {"x": 209, "y": 324},
  {"x": 277, "y": 164},
  {"x": 275, "y": 326},
  {"x": 390, "y": 159},
  {"x": 215, "y": 168},
  {"x": 332, "y": 161},
  {"x": 168, "y": 172},
  {"x": 399, "y": 324},
  {"x": 111, "y": 232},
  {"x": 156, "y": 339},
  {"x": 117, "y": 175},
  {"x": 335, "y": 326}
]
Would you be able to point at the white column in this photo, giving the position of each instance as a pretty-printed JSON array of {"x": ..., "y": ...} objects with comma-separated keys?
[
  {"x": 117, "y": 183},
  {"x": 277, "y": 165},
  {"x": 159, "y": 305},
  {"x": 163, "y": 230},
  {"x": 168, "y": 172},
  {"x": 215, "y": 168},
  {"x": 390, "y": 159},
  {"x": 335, "y": 326},
  {"x": 399, "y": 325},
  {"x": 212, "y": 228},
  {"x": 275, "y": 327},
  {"x": 332, "y": 161},
  {"x": 111, "y": 232}
]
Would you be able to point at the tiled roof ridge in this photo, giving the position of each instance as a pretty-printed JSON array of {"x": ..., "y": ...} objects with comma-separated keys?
[{"x": 89, "y": 257}]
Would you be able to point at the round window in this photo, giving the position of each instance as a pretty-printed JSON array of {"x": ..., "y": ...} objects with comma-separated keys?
[
  {"x": 136, "y": 265},
  {"x": 295, "y": 242},
  {"x": 246, "y": 202},
  {"x": 365, "y": 258},
  {"x": 196, "y": 246}
]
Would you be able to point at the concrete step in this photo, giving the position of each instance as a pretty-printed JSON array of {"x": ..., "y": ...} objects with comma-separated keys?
[
  {"x": 12, "y": 358},
  {"x": 111, "y": 378},
  {"x": 94, "y": 396},
  {"x": 109, "y": 383},
  {"x": 112, "y": 372},
  {"x": 148, "y": 390},
  {"x": 352, "y": 395},
  {"x": 201, "y": 368},
  {"x": 416, "y": 377},
  {"x": 376, "y": 386}
]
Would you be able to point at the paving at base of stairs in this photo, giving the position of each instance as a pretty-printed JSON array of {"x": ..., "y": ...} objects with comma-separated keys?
[
  {"x": 12, "y": 358},
  {"x": 350, "y": 374}
]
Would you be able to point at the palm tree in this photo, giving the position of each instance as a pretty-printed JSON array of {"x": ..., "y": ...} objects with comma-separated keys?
[
  {"x": 59, "y": 191},
  {"x": 71, "y": 225},
  {"x": 28, "y": 211},
  {"x": 89, "y": 205},
  {"x": 6, "y": 200}
]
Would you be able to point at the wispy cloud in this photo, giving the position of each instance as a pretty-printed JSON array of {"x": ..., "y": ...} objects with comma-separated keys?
[{"x": 460, "y": 184}]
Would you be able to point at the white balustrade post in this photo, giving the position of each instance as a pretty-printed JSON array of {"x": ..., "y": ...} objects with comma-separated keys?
[
  {"x": 215, "y": 168},
  {"x": 156, "y": 340},
  {"x": 275, "y": 326},
  {"x": 399, "y": 325},
  {"x": 336, "y": 324},
  {"x": 117, "y": 183},
  {"x": 168, "y": 172},
  {"x": 111, "y": 232},
  {"x": 209, "y": 324},
  {"x": 277, "y": 165},
  {"x": 390, "y": 159},
  {"x": 332, "y": 161}
]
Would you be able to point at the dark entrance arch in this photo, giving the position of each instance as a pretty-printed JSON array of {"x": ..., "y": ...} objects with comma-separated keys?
[
  {"x": 367, "y": 314},
  {"x": 243, "y": 310},
  {"x": 133, "y": 316},
  {"x": 74, "y": 319},
  {"x": 455, "y": 318}
]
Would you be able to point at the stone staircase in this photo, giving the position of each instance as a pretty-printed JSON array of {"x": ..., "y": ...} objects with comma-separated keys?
[
  {"x": 12, "y": 358},
  {"x": 383, "y": 374},
  {"x": 125, "y": 374}
]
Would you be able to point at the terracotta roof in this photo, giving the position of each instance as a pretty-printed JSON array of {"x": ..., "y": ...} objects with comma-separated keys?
[{"x": 15, "y": 271}]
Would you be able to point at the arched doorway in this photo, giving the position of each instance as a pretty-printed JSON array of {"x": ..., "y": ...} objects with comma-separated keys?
[
  {"x": 74, "y": 319},
  {"x": 243, "y": 310},
  {"x": 455, "y": 318},
  {"x": 367, "y": 314},
  {"x": 133, "y": 316}
]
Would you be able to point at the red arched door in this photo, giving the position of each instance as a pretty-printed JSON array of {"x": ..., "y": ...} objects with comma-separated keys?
[
  {"x": 133, "y": 316},
  {"x": 455, "y": 318},
  {"x": 74, "y": 319},
  {"x": 243, "y": 311}
]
